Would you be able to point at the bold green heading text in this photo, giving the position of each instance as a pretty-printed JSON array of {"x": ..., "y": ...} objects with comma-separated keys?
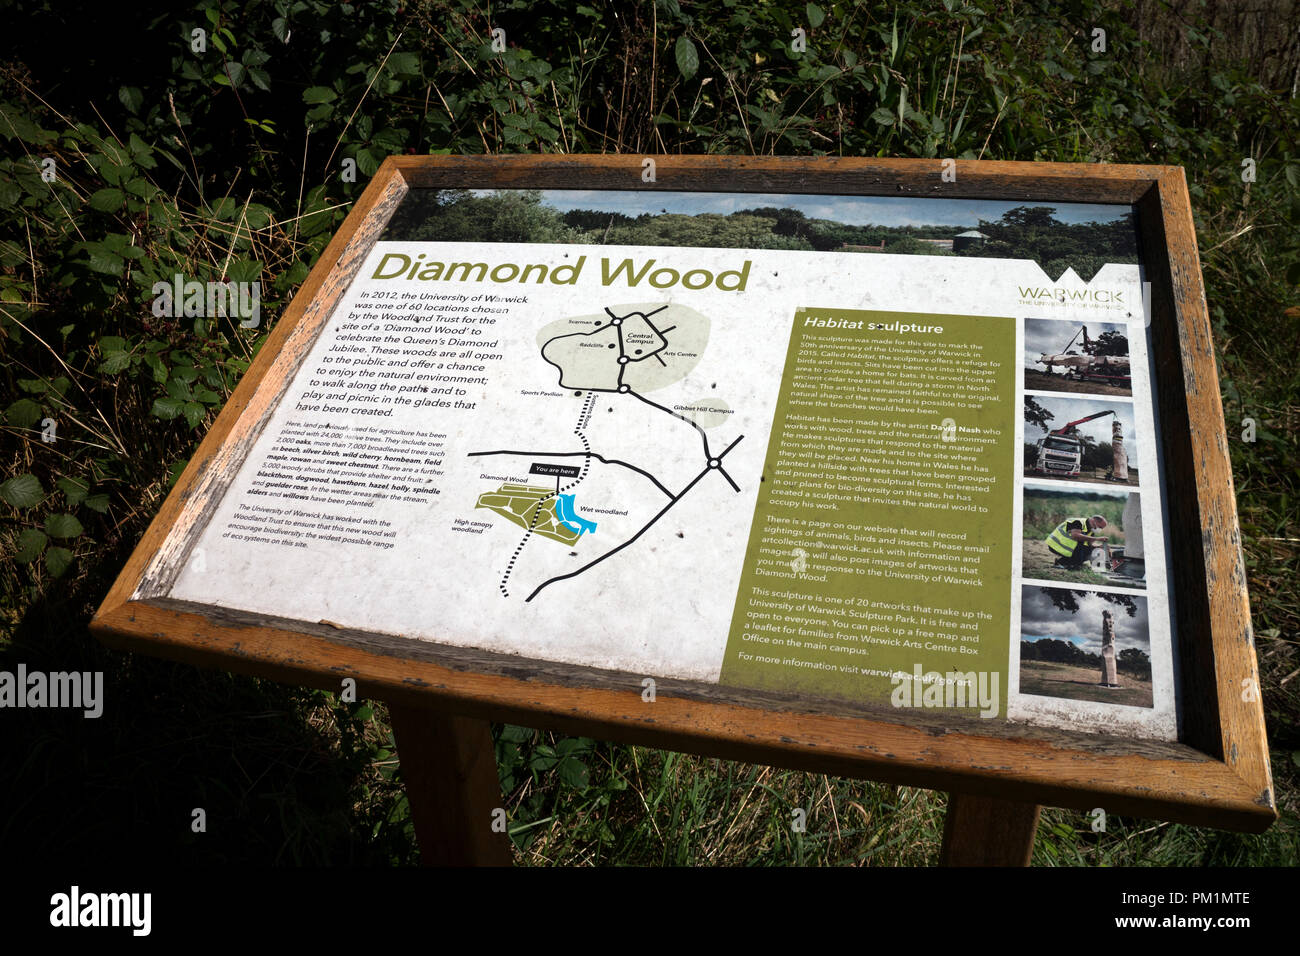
[{"x": 395, "y": 265}]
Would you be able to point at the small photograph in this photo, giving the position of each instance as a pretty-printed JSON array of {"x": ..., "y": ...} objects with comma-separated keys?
[
  {"x": 1076, "y": 237},
  {"x": 1083, "y": 537},
  {"x": 1090, "y": 358},
  {"x": 1085, "y": 645},
  {"x": 1080, "y": 439}
]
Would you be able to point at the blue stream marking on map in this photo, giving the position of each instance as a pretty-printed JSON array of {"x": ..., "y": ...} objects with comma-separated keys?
[{"x": 570, "y": 518}]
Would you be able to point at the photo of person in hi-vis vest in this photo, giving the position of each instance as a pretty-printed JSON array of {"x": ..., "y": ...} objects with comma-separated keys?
[{"x": 1072, "y": 541}]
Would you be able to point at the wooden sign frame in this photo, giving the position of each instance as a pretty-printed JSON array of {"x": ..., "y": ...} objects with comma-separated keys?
[{"x": 1216, "y": 775}]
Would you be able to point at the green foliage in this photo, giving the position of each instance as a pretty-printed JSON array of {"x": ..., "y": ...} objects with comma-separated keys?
[
  {"x": 525, "y": 760},
  {"x": 455, "y": 215},
  {"x": 688, "y": 61},
  {"x": 1033, "y": 232}
]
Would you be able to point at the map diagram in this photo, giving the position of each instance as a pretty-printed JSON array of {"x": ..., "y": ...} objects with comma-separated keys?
[{"x": 630, "y": 459}]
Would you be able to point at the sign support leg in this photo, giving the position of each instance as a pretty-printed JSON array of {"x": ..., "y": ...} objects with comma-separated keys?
[
  {"x": 450, "y": 771},
  {"x": 986, "y": 831}
]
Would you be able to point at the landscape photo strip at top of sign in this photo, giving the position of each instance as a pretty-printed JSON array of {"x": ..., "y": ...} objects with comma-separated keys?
[
  {"x": 867, "y": 449},
  {"x": 834, "y": 464}
]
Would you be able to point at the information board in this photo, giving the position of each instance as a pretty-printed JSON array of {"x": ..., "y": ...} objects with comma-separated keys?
[
  {"x": 860, "y": 465},
  {"x": 799, "y": 470}
]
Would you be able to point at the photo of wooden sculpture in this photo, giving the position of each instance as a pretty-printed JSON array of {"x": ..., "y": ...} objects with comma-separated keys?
[
  {"x": 1108, "y": 675},
  {"x": 1119, "y": 470}
]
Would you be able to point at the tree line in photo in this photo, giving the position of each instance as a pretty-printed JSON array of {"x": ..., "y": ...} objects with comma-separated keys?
[
  {"x": 1110, "y": 342},
  {"x": 1130, "y": 660},
  {"x": 1044, "y": 512},
  {"x": 1025, "y": 232}
]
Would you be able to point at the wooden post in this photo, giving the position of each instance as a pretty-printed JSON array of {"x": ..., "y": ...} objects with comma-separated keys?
[
  {"x": 986, "y": 831},
  {"x": 450, "y": 771}
]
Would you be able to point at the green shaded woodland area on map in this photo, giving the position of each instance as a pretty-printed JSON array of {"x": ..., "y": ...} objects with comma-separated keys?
[{"x": 533, "y": 509}]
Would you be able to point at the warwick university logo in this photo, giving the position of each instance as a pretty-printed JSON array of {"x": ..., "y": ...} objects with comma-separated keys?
[
  {"x": 1034, "y": 294},
  {"x": 1070, "y": 291}
]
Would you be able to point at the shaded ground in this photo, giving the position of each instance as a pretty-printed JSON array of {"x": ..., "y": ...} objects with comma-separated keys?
[
  {"x": 1048, "y": 679},
  {"x": 1042, "y": 382}
]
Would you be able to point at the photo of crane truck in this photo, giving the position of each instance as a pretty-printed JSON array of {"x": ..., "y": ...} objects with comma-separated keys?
[
  {"x": 1060, "y": 452},
  {"x": 1077, "y": 450}
]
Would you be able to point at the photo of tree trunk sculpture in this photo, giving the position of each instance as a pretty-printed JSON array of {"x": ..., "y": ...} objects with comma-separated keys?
[
  {"x": 1109, "y": 678},
  {"x": 1119, "y": 471}
]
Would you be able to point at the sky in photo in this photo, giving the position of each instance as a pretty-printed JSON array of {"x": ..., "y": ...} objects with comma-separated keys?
[
  {"x": 1051, "y": 335},
  {"x": 1040, "y": 619}
]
